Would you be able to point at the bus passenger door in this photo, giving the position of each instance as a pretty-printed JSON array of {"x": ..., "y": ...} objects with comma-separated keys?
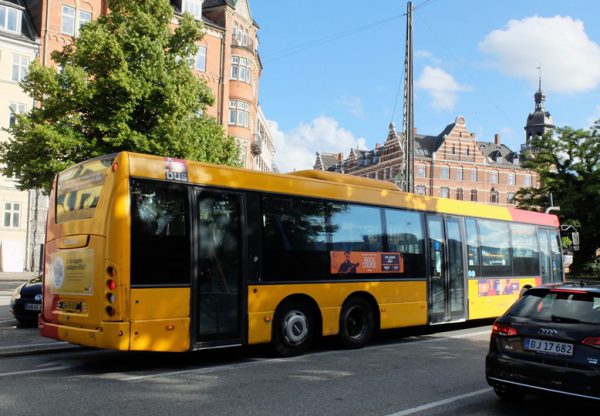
[
  {"x": 219, "y": 254},
  {"x": 446, "y": 271}
]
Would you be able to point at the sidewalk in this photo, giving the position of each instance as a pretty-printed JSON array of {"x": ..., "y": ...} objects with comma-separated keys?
[{"x": 16, "y": 277}]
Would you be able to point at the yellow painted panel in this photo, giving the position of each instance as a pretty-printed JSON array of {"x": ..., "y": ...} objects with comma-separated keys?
[
  {"x": 161, "y": 335},
  {"x": 160, "y": 303},
  {"x": 403, "y": 304},
  {"x": 113, "y": 335},
  {"x": 495, "y": 305}
]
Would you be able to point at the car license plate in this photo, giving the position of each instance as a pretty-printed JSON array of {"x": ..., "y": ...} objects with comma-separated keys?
[
  {"x": 33, "y": 306},
  {"x": 548, "y": 347}
]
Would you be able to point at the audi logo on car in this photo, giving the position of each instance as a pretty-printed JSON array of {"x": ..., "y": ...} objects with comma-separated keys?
[{"x": 547, "y": 332}]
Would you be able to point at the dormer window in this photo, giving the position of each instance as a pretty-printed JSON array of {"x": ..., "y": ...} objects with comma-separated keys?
[
  {"x": 193, "y": 7},
  {"x": 10, "y": 19}
]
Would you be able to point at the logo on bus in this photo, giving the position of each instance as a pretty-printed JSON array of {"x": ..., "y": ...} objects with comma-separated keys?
[
  {"x": 58, "y": 272},
  {"x": 176, "y": 170}
]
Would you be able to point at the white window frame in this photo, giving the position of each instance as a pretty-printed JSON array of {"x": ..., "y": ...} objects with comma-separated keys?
[
  {"x": 11, "y": 14},
  {"x": 239, "y": 113},
  {"x": 527, "y": 181},
  {"x": 444, "y": 172},
  {"x": 67, "y": 20},
  {"x": 494, "y": 177},
  {"x": 241, "y": 69},
  {"x": 421, "y": 171},
  {"x": 14, "y": 109},
  {"x": 83, "y": 18},
  {"x": 510, "y": 178},
  {"x": 193, "y": 7},
  {"x": 13, "y": 210},
  {"x": 201, "y": 59},
  {"x": 420, "y": 190},
  {"x": 459, "y": 174},
  {"x": 473, "y": 175},
  {"x": 20, "y": 67},
  {"x": 444, "y": 192}
]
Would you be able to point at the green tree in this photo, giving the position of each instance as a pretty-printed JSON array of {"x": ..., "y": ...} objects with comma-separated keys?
[
  {"x": 124, "y": 84},
  {"x": 568, "y": 163}
]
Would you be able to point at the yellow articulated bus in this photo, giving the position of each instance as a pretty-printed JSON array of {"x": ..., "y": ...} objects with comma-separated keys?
[{"x": 153, "y": 253}]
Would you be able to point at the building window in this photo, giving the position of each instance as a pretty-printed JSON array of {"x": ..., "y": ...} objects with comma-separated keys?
[
  {"x": 453, "y": 149},
  {"x": 70, "y": 25},
  {"x": 493, "y": 177},
  {"x": 510, "y": 178},
  {"x": 444, "y": 192},
  {"x": 474, "y": 195},
  {"x": 84, "y": 17},
  {"x": 459, "y": 174},
  {"x": 527, "y": 181},
  {"x": 241, "y": 69},
  {"x": 193, "y": 7},
  {"x": 468, "y": 151},
  {"x": 473, "y": 175},
  {"x": 239, "y": 113},
  {"x": 420, "y": 171},
  {"x": 68, "y": 20},
  {"x": 444, "y": 172},
  {"x": 15, "y": 108},
  {"x": 421, "y": 190},
  {"x": 510, "y": 198},
  {"x": 10, "y": 19},
  {"x": 494, "y": 197},
  {"x": 201, "y": 59},
  {"x": 243, "y": 148},
  {"x": 19, "y": 67},
  {"x": 459, "y": 194},
  {"x": 11, "y": 214}
]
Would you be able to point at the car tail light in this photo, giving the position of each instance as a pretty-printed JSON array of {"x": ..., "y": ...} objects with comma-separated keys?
[
  {"x": 504, "y": 330},
  {"x": 592, "y": 342}
]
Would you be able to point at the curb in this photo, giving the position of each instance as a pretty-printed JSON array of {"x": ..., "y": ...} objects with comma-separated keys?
[{"x": 21, "y": 350}]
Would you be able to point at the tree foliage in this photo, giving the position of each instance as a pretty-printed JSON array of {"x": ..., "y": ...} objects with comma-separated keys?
[
  {"x": 568, "y": 163},
  {"x": 124, "y": 84}
]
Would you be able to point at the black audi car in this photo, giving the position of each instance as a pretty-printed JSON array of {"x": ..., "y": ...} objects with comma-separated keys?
[
  {"x": 548, "y": 341},
  {"x": 26, "y": 302}
]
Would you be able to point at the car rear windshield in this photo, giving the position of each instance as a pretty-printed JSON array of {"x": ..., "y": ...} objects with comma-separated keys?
[
  {"x": 556, "y": 305},
  {"x": 78, "y": 189}
]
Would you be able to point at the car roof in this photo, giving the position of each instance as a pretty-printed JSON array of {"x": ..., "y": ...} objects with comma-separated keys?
[{"x": 583, "y": 285}]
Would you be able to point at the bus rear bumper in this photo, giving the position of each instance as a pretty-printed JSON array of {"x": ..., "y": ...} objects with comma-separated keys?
[{"x": 111, "y": 335}]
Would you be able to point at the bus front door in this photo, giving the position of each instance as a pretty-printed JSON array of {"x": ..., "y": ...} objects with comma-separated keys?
[
  {"x": 447, "y": 293},
  {"x": 218, "y": 286}
]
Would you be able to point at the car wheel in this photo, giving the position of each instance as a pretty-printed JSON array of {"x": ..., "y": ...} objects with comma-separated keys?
[
  {"x": 293, "y": 329},
  {"x": 508, "y": 393},
  {"x": 357, "y": 323}
]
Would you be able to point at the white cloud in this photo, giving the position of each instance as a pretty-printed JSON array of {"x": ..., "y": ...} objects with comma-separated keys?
[
  {"x": 420, "y": 54},
  {"x": 354, "y": 105},
  {"x": 296, "y": 149},
  {"x": 570, "y": 60},
  {"x": 441, "y": 86}
]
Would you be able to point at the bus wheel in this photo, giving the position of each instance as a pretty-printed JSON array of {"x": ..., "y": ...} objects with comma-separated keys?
[
  {"x": 292, "y": 329},
  {"x": 357, "y": 323}
]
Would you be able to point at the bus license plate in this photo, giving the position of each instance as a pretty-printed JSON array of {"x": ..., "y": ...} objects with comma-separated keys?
[
  {"x": 549, "y": 347},
  {"x": 33, "y": 306}
]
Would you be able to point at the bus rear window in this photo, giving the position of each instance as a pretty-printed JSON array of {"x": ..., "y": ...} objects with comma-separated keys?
[{"x": 78, "y": 189}]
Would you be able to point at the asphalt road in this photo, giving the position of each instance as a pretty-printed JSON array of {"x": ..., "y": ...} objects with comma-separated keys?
[{"x": 438, "y": 371}]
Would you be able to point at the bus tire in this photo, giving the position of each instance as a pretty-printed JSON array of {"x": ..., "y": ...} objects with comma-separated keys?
[
  {"x": 357, "y": 323},
  {"x": 293, "y": 329}
]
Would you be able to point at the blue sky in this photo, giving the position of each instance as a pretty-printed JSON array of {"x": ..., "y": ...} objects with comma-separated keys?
[{"x": 332, "y": 69}]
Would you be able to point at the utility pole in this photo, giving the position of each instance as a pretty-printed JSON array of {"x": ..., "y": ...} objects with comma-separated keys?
[{"x": 408, "y": 164}]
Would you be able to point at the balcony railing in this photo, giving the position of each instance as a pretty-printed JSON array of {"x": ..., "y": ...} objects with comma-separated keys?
[{"x": 240, "y": 43}]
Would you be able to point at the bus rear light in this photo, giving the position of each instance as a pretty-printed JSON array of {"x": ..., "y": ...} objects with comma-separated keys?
[
  {"x": 592, "y": 342},
  {"x": 111, "y": 284},
  {"x": 111, "y": 297},
  {"x": 504, "y": 330},
  {"x": 111, "y": 271},
  {"x": 110, "y": 311}
]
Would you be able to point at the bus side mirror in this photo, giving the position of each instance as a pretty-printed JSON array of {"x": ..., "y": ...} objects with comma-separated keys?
[{"x": 575, "y": 240}]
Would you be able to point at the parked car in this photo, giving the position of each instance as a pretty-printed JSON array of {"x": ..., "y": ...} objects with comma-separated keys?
[
  {"x": 26, "y": 302},
  {"x": 548, "y": 341}
]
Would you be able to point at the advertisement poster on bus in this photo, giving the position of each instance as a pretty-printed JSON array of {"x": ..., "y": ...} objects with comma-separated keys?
[
  {"x": 71, "y": 272},
  {"x": 360, "y": 262}
]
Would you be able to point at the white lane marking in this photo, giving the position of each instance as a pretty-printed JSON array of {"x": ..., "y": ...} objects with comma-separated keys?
[
  {"x": 41, "y": 370},
  {"x": 258, "y": 361},
  {"x": 440, "y": 403},
  {"x": 45, "y": 344}
]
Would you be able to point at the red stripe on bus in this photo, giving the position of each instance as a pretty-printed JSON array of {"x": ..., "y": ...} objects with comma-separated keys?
[{"x": 531, "y": 217}]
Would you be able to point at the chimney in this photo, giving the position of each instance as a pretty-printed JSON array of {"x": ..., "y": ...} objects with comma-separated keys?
[
  {"x": 340, "y": 157},
  {"x": 414, "y": 131},
  {"x": 497, "y": 138}
]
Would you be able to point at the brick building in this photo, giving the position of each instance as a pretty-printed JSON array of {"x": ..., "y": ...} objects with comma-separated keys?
[
  {"x": 227, "y": 59},
  {"x": 452, "y": 164}
]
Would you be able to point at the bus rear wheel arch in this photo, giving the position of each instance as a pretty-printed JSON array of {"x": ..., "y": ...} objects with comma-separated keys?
[
  {"x": 295, "y": 325},
  {"x": 357, "y": 322}
]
